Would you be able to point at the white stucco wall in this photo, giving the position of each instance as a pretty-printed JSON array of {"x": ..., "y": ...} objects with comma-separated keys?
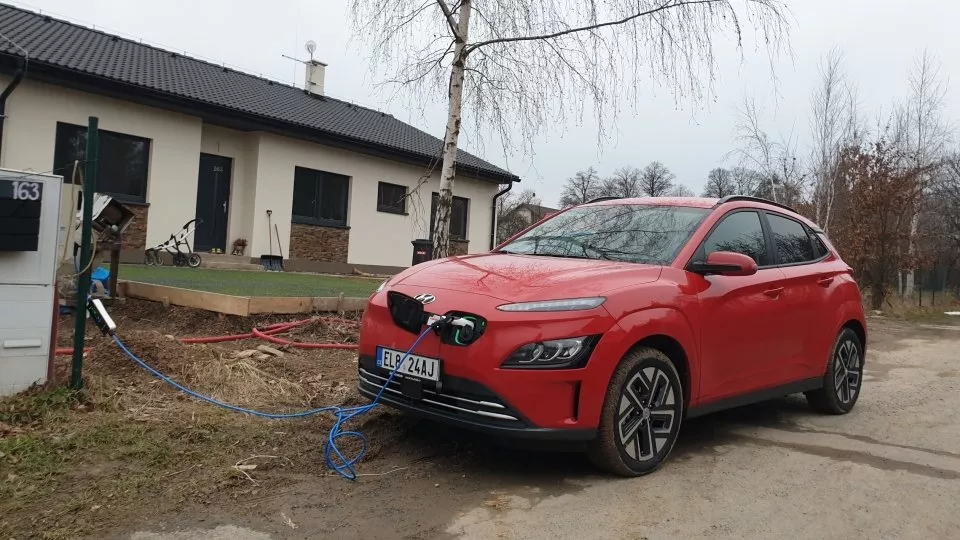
[
  {"x": 261, "y": 179},
  {"x": 376, "y": 238},
  {"x": 29, "y": 136}
]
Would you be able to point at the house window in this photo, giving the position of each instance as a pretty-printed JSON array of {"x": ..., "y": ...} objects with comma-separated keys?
[
  {"x": 320, "y": 198},
  {"x": 122, "y": 165},
  {"x": 391, "y": 198},
  {"x": 458, "y": 219}
]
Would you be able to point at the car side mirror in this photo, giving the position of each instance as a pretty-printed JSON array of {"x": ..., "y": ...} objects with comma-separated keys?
[{"x": 725, "y": 263}]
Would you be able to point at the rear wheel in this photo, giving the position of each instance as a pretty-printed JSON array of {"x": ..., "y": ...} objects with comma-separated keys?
[
  {"x": 193, "y": 260},
  {"x": 641, "y": 415},
  {"x": 841, "y": 382}
]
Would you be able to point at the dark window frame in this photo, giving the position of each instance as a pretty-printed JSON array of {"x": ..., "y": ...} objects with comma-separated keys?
[
  {"x": 401, "y": 208},
  {"x": 434, "y": 198},
  {"x": 65, "y": 169},
  {"x": 319, "y": 178}
]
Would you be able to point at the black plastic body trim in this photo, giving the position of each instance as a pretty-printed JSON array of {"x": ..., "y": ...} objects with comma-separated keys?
[
  {"x": 543, "y": 434},
  {"x": 736, "y": 198},
  {"x": 756, "y": 397}
]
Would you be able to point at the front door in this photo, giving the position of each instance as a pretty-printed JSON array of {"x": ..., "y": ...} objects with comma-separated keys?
[
  {"x": 213, "y": 195},
  {"x": 743, "y": 317}
]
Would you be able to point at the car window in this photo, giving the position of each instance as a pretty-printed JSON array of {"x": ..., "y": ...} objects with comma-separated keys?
[
  {"x": 791, "y": 240},
  {"x": 740, "y": 232},
  {"x": 819, "y": 248},
  {"x": 635, "y": 233}
]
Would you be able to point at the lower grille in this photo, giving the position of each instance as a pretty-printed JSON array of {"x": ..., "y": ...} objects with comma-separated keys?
[{"x": 449, "y": 402}]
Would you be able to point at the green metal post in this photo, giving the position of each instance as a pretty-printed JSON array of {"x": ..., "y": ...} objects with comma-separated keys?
[{"x": 83, "y": 280}]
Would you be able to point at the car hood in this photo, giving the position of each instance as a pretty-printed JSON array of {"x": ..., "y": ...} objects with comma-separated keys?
[{"x": 523, "y": 278}]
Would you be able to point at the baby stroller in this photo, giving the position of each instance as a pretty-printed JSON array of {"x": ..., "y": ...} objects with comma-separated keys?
[{"x": 154, "y": 255}]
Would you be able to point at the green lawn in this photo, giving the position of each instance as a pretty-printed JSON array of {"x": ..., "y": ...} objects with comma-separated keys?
[{"x": 242, "y": 283}]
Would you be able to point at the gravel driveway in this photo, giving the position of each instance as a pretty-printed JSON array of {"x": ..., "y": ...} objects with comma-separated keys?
[{"x": 890, "y": 469}]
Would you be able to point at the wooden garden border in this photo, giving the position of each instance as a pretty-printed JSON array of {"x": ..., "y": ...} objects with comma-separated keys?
[{"x": 238, "y": 305}]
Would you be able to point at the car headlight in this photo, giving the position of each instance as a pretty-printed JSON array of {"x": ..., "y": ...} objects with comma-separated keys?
[
  {"x": 552, "y": 354},
  {"x": 570, "y": 304}
]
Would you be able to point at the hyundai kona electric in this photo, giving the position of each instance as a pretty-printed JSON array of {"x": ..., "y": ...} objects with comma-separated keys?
[{"x": 610, "y": 324}]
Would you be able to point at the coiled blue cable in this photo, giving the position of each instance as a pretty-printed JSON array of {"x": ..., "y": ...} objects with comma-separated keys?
[{"x": 332, "y": 456}]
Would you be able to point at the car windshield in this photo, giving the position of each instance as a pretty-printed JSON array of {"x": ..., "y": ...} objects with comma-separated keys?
[{"x": 630, "y": 233}]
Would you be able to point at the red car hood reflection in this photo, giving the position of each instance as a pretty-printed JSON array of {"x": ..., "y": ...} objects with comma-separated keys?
[{"x": 521, "y": 278}]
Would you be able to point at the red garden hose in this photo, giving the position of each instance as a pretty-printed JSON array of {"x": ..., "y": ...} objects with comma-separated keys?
[{"x": 268, "y": 332}]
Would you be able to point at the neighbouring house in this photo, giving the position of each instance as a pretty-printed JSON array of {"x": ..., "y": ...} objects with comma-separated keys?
[
  {"x": 180, "y": 138},
  {"x": 521, "y": 217}
]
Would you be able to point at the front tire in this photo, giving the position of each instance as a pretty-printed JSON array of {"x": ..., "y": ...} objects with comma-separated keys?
[
  {"x": 843, "y": 378},
  {"x": 641, "y": 415}
]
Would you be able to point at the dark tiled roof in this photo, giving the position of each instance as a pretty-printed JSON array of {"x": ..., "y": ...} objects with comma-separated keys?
[{"x": 64, "y": 45}]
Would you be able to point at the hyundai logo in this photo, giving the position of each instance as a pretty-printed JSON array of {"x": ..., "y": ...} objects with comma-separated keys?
[{"x": 425, "y": 298}]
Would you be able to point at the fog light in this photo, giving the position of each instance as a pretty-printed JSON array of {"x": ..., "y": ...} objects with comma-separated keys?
[{"x": 552, "y": 354}]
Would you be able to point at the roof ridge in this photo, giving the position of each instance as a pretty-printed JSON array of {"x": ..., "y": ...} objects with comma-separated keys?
[
  {"x": 184, "y": 54},
  {"x": 69, "y": 49}
]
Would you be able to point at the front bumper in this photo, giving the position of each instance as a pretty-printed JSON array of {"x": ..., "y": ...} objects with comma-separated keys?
[{"x": 462, "y": 403}]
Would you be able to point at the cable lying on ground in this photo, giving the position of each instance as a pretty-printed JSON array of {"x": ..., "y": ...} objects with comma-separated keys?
[{"x": 333, "y": 457}]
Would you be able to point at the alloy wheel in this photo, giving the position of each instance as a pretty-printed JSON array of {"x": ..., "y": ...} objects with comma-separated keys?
[
  {"x": 647, "y": 414},
  {"x": 847, "y": 372}
]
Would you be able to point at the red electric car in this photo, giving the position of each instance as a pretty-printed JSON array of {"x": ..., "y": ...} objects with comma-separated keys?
[{"x": 612, "y": 322}]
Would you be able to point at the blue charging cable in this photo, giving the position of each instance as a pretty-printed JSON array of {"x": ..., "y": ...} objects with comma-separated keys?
[{"x": 332, "y": 455}]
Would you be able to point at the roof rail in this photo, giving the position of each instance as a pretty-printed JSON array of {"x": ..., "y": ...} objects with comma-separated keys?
[
  {"x": 601, "y": 199},
  {"x": 735, "y": 198}
]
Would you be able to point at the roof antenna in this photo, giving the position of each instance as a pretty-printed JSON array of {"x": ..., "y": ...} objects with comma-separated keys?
[{"x": 311, "y": 47}]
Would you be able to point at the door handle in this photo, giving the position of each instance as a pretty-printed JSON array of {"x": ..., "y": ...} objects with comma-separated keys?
[
  {"x": 224, "y": 206},
  {"x": 825, "y": 282},
  {"x": 773, "y": 293}
]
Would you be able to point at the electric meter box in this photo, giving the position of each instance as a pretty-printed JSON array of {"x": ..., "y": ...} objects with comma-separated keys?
[{"x": 29, "y": 256}]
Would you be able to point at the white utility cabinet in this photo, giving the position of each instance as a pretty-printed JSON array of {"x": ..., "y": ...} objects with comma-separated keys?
[{"x": 29, "y": 256}]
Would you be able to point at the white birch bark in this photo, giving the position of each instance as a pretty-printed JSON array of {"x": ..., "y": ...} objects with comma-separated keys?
[{"x": 441, "y": 229}]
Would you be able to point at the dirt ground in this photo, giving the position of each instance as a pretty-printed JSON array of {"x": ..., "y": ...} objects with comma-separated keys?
[{"x": 129, "y": 459}]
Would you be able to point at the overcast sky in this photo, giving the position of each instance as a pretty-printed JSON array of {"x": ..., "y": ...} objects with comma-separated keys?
[{"x": 880, "y": 39}]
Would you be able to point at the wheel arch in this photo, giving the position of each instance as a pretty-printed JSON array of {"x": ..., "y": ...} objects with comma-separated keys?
[
  {"x": 676, "y": 353},
  {"x": 859, "y": 330}
]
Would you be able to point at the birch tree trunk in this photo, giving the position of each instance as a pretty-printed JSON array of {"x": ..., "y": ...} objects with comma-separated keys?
[
  {"x": 441, "y": 228},
  {"x": 908, "y": 286}
]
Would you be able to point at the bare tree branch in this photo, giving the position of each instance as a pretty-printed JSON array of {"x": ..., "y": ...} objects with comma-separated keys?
[{"x": 448, "y": 15}]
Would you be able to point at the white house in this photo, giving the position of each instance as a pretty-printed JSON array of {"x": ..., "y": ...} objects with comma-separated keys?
[{"x": 346, "y": 186}]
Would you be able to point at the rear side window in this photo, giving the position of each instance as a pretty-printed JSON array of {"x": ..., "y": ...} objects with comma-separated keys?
[
  {"x": 791, "y": 240},
  {"x": 740, "y": 232},
  {"x": 819, "y": 248}
]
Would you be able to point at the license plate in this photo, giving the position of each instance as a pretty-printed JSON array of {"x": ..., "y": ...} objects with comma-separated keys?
[{"x": 417, "y": 366}]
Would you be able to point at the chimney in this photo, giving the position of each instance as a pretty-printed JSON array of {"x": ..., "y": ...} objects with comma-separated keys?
[{"x": 315, "y": 74}]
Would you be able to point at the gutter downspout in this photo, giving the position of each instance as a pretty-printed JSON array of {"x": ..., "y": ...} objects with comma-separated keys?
[
  {"x": 493, "y": 227},
  {"x": 17, "y": 78}
]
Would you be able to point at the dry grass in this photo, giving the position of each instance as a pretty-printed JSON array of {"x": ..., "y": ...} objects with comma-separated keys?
[
  {"x": 129, "y": 444},
  {"x": 927, "y": 308}
]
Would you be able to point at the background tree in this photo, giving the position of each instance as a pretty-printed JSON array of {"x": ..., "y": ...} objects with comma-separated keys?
[
  {"x": 681, "y": 190},
  {"x": 580, "y": 188},
  {"x": 884, "y": 187},
  {"x": 719, "y": 184},
  {"x": 834, "y": 124},
  {"x": 625, "y": 182},
  {"x": 515, "y": 65},
  {"x": 745, "y": 181},
  {"x": 656, "y": 180},
  {"x": 927, "y": 137},
  {"x": 780, "y": 172}
]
